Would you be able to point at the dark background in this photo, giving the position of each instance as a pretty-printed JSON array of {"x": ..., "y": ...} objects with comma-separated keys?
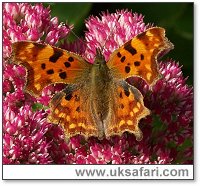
[{"x": 176, "y": 18}]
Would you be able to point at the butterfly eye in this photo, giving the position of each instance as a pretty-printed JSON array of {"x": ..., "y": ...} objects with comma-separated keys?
[{"x": 97, "y": 63}]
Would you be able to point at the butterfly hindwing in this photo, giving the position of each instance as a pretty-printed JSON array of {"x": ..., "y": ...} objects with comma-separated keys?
[
  {"x": 71, "y": 109},
  {"x": 47, "y": 65},
  {"x": 127, "y": 110},
  {"x": 138, "y": 57}
]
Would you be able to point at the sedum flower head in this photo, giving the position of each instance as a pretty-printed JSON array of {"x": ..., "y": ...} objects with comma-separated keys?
[
  {"x": 23, "y": 21},
  {"x": 111, "y": 31},
  {"x": 24, "y": 138},
  {"x": 29, "y": 139},
  {"x": 24, "y": 125}
]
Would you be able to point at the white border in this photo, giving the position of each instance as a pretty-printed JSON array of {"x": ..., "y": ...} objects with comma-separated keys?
[
  {"x": 93, "y": 172},
  {"x": 196, "y": 85}
]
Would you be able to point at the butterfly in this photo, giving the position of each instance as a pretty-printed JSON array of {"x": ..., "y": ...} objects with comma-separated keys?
[{"x": 97, "y": 100}]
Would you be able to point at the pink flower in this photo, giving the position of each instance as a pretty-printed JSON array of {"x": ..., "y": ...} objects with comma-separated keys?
[
  {"x": 111, "y": 31},
  {"x": 22, "y": 21},
  {"x": 24, "y": 137},
  {"x": 23, "y": 129}
]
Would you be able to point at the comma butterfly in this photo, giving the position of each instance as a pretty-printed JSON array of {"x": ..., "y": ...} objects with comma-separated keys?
[{"x": 97, "y": 101}]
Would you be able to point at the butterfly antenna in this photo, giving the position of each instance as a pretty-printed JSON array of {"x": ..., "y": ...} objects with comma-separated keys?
[{"x": 71, "y": 31}]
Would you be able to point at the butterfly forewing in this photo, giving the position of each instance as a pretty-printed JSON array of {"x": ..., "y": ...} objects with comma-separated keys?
[
  {"x": 138, "y": 57},
  {"x": 47, "y": 65}
]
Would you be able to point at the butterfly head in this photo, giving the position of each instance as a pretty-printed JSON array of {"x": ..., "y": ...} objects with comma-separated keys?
[
  {"x": 99, "y": 58},
  {"x": 99, "y": 68}
]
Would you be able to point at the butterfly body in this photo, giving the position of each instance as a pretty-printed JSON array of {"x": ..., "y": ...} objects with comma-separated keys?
[
  {"x": 101, "y": 85},
  {"x": 97, "y": 101}
]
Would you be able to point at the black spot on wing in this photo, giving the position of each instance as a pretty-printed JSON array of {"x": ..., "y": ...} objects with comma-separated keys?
[
  {"x": 39, "y": 46},
  {"x": 119, "y": 55},
  {"x": 56, "y": 55},
  {"x": 142, "y": 57},
  {"x": 68, "y": 97},
  {"x": 43, "y": 66},
  {"x": 78, "y": 109},
  {"x": 123, "y": 59},
  {"x": 127, "y": 93},
  {"x": 141, "y": 35},
  {"x": 127, "y": 69},
  {"x": 50, "y": 71},
  {"x": 137, "y": 63},
  {"x": 128, "y": 47},
  {"x": 70, "y": 59},
  {"x": 67, "y": 64},
  {"x": 120, "y": 95},
  {"x": 63, "y": 75},
  {"x": 77, "y": 98}
]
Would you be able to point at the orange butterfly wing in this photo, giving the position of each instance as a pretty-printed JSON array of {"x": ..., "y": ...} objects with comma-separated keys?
[
  {"x": 71, "y": 109},
  {"x": 47, "y": 65},
  {"x": 138, "y": 57},
  {"x": 126, "y": 110}
]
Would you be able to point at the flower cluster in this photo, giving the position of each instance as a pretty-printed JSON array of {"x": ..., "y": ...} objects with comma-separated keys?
[
  {"x": 22, "y": 21},
  {"x": 29, "y": 139},
  {"x": 24, "y": 123},
  {"x": 111, "y": 31},
  {"x": 24, "y": 140}
]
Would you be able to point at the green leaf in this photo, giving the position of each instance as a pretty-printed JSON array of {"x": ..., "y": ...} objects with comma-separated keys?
[
  {"x": 158, "y": 125},
  {"x": 37, "y": 106},
  {"x": 186, "y": 144},
  {"x": 73, "y": 13}
]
